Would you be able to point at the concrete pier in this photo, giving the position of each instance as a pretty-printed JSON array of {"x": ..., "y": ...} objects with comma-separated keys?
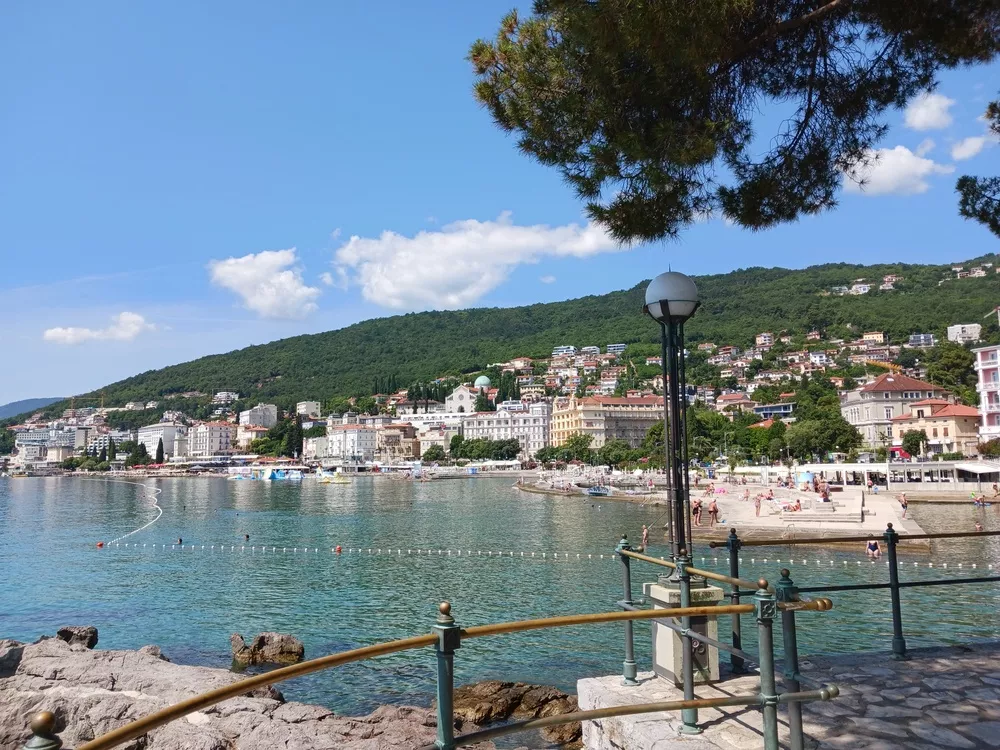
[{"x": 939, "y": 698}]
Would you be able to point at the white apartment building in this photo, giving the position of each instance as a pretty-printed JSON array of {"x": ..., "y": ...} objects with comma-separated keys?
[
  {"x": 352, "y": 442},
  {"x": 964, "y": 333},
  {"x": 168, "y": 432},
  {"x": 103, "y": 440},
  {"x": 225, "y": 397},
  {"x": 616, "y": 348},
  {"x": 307, "y": 408},
  {"x": 529, "y": 427},
  {"x": 211, "y": 439},
  {"x": 874, "y": 337},
  {"x": 765, "y": 339},
  {"x": 987, "y": 366},
  {"x": 588, "y": 351},
  {"x": 564, "y": 351},
  {"x": 262, "y": 415},
  {"x": 247, "y": 433}
]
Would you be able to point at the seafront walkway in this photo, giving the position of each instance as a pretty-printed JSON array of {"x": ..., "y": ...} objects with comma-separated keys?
[{"x": 937, "y": 698}]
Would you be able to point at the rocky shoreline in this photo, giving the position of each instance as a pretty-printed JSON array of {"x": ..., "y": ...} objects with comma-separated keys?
[{"x": 92, "y": 692}]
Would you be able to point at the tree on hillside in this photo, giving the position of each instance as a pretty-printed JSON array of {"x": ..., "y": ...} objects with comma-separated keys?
[
  {"x": 577, "y": 447},
  {"x": 455, "y": 446},
  {"x": 159, "y": 452},
  {"x": 112, "y": 449},
  {"x": 616, "y": 452},
  {"x": 649, "y": 108},
  {"x": 483, "y": 402},
  {"x": 950, "y": 366},
  {"x": 139, "y": 456},
  {"x": 979, "y": 197},
  {"x": 103, "y": 456}
]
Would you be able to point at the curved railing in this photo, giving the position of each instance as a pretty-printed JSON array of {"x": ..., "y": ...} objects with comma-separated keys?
[{"x": 447, "y": 637}]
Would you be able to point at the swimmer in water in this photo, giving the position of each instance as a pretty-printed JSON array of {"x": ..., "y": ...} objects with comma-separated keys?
[
  {"x": 180, "y": 541},
  {"x": 979, "y": 526},
  {"x": 246, "y": 537}
]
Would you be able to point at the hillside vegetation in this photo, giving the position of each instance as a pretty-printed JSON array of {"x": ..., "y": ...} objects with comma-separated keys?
[{"x": 423, "y": 346}]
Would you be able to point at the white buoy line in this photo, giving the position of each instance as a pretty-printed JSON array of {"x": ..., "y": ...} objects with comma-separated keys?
[
  {"x": 469, "y": 553},
  {"x": 146, "y": 488}
]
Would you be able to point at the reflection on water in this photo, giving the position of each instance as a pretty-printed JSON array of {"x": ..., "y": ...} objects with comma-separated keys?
[{"x": 189, "y": 602}]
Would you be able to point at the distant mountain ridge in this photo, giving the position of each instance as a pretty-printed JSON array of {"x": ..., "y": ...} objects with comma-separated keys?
[
  {"x": 423, "y": 346},
  {"x": 25, "y": 405}
]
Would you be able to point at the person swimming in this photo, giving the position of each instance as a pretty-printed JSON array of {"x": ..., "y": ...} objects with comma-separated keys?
[{"x": 873, "y": 550}]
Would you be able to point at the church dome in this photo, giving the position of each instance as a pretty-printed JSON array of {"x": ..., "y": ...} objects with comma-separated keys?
[{"x": 482, "y": 382}]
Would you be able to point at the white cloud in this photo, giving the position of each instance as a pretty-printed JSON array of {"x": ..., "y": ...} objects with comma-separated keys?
[
  {"x": 968, "y": 147},
  {"x": 269, "y": 283},
  {"x": 893, "y": 171},
  {"x": 339, "y": 279},
  {"x": 547, "y": 279},
  {"x": 458, "y": 264},
  {"x": 125, "y": 326},
  {"x": 928, "y": 111},
  {"x": 925, "y": 147}
]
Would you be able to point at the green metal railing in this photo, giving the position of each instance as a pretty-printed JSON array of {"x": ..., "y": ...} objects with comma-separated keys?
[
  {"x": 447, "y": 637},
  {"x": 891, "y": 539}
]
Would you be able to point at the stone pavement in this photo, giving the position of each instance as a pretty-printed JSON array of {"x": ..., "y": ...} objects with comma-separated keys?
[{"x": 939, "y": 699}]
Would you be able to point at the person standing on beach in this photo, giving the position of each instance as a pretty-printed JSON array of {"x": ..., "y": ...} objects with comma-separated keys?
[
  {"x": 756, "y": 505},
  {"x": 903, "y": 503},
  {"x": 713, "y": 512}
]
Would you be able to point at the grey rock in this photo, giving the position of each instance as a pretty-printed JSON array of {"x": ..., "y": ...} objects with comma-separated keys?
[
  {"x": 85, "y": 635},
  {"x": 267, "y": 648},
  {"x": 92, "y": 692},
  {"x": 940, "y": 736},
  {"x": 153, "y": 651},
  {"x": 947, "y": 719},
  {"x": 921, "y": 702},
  {"x": 987, "y": 732},
  {"x": 900, "y": 694},
  {"x": 984, "y": 695}
]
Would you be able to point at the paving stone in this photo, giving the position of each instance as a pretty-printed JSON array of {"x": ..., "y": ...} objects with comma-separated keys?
[
  {"x": 877, "y": 727},
  {"x": 921, "y": 702},
  {"x": 990, "y": 680},
  {"x": 987, "y": 732},
  {"x": 947, "y": 718},
  {"x": 940, "y": 736},
  {"x": 831, "y": 709},
  {"x": 898, "y": 694},
  {"x": 878, "y": 671},
  {"x": 948, "y": 683},
  {"x": 945, "y": 696},
  {"x": 984, "y": 694},
  {"x": 893, "y": 712}
]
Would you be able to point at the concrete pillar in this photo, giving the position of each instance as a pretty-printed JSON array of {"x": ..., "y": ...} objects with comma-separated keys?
[{"x": 667, "y": 650}]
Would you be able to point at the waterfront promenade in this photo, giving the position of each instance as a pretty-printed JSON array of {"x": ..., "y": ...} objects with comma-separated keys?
[{"x": 938, "y": 698}]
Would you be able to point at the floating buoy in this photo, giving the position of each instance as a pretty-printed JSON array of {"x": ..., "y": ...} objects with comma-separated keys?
[
  {"x": 338, "y": 549},
  {"x": 100, "y": 545}
]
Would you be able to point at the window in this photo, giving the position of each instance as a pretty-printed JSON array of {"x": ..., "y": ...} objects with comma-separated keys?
[
  {"x": 886, "y": 395},
  {"x": 945, "y": 431},
  {"x": 934, "y": 432},
  {"x": 888, "y": 412}
]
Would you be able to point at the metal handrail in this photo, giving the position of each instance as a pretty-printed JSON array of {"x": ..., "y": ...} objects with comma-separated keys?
[
  {"x": 157, "y": 719},
  {"x": 838, "y": 539},
  {"x": 743, "y": 583}
]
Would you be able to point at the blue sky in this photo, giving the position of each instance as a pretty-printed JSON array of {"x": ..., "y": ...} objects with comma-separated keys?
[{"x": 184, "y": 178}]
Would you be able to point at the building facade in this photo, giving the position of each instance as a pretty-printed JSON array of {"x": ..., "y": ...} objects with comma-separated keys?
[
  {"x": 352, "y": 442},
  {"x": 872, "y": 408},
  {"x": 211, "y": 439},
  {"x": 987, "y": 365},
  {"x": 168, "y": 432},
  {"x": 605, "y": 418},
  {"x": 950, "y": 428},
  {"x": 262, "y": 415},
  {"x": 529, "y": 426},
  {"x": 307, "y": 408},
  {"x": 964, "y": 333}
]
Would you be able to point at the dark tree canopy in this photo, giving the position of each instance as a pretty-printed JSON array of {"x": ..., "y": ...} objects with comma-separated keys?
[
  {"x": 648, "y": 107},
  {"x": 979, "y": 197}
]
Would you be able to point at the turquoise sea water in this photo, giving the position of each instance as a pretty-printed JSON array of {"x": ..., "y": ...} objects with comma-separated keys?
[{"x": 190, "y": 601}]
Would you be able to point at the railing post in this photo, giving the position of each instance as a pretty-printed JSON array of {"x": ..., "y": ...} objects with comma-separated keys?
[
  {"x": 689, "y": 716},
  {"x": 786, "y": 591},
  {"x": 766, "y": 609},
  {"x": 449, "y": 639},
  {"x": 734, "y": 544},
  {"x": 629, "y": 670},
  {"x": 43, "y": 735},
  {"x": 898, "y": 642}
]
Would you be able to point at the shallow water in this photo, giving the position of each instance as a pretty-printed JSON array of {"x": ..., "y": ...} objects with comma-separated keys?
[{"x": 190, "y": 601}]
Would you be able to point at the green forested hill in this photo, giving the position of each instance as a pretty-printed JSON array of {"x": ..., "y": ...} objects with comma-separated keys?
[{"x": 422, "y": 346}]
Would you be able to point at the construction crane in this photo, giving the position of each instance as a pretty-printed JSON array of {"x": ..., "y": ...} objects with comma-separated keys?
[
  {"x": 991, "y": 312},
  {"x": 74, "y": 399},
  {"x": 887, "y": 365}
]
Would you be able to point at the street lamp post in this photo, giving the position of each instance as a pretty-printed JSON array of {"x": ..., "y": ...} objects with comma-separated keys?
[{"x": 672, "y": 298}]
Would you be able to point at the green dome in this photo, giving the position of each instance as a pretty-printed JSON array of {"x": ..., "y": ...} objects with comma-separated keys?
[{"x": 482, "y": 382}]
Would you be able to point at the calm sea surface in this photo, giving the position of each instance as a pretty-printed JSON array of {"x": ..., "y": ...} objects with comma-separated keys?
[{"x": 189, "y": 602}]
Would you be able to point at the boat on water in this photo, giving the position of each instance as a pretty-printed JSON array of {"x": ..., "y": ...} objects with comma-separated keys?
[
  {"x": 598, "y": 491},
  {"x": 265, "y": 474},
  {"x": 337, "y": 477}
]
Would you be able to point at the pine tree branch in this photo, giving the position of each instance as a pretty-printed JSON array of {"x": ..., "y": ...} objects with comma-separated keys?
[{"x": 784, "y": 27}]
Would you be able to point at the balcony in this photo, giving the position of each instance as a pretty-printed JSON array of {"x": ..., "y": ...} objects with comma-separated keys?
[
  {"x": 990, "y": 407},
  {"x": 988, "y": 385}
]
